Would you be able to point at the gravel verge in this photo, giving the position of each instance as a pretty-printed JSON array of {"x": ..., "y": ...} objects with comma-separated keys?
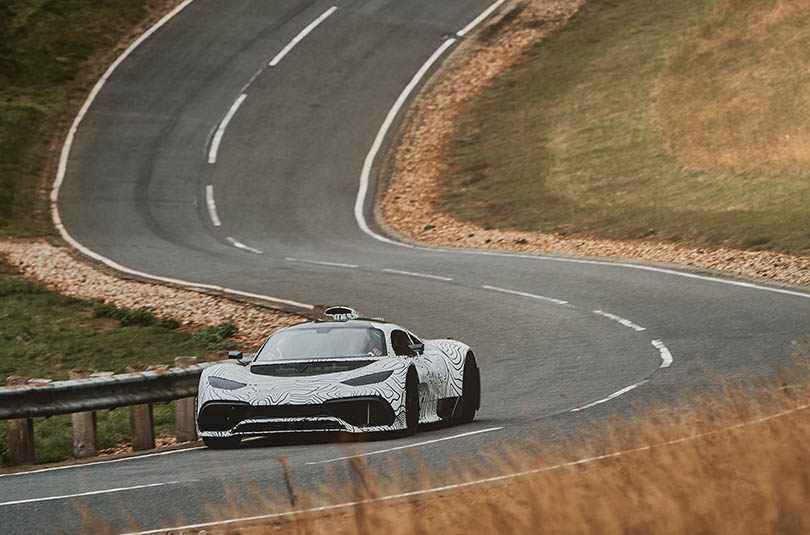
[
  {"x": 55, "y": 268},
  {"x": 410, "y": 204}
]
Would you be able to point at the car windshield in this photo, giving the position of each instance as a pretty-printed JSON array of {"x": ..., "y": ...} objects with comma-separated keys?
[{"x": 323, "y": 342}]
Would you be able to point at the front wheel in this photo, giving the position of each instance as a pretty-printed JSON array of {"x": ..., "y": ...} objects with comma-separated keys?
[
  {"x": 222, "y": 443},
  {"x": 470, "y": 390},
  {"x": 411, "y": 402}
]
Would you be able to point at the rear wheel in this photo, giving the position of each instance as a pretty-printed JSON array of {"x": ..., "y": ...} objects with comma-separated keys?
[
  {"x": 222, "y": 443},
  {"x": 470, "y": 390},
  {"x": 411, "y": 402}
]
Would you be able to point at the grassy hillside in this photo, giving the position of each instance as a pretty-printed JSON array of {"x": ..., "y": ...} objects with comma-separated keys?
[
  {"x": 51, "y": 53},
  {"x": 46, "y": 334},
  {"x": 682, "y": 121}
]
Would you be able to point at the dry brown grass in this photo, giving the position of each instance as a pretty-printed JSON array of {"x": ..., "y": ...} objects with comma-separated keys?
[
  {"x": 735, "y": 97},
  {"x": 739, "y": 465}
]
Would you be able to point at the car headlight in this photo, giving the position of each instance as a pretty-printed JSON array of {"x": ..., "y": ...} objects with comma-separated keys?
[
  {"x": 226, "y": 384},
  {"x": 369, "y": 379}
]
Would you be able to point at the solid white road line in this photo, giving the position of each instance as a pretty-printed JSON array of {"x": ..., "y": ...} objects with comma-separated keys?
[
  {"x": 63, "y": 157},
  {"x": 365, "y": 175},
  {"x": 524, "y": 294},
  {"x": 298, "y": 38},
  {"x": 321, "y": 263},
  {"x": 241, "y": 245},
  {"x": 62, "y": 170},
  {"x": 608, "y": 398},
  {"x": 493, "y": 479},
  {"x": 666, "y": 356},
  {"x": 640, "y": 267},
  {"x": 417, "y": 444},
  {"x": 91, "y": 493},
  {"x": 212, "y": 153},
  {"x": 422, "y": 275},
  {"x": 110, "y": 461},
  {"x": 622, "y": 321},
  {"x": 464, "y": 31},
  {"x": 212, "y": 206}
]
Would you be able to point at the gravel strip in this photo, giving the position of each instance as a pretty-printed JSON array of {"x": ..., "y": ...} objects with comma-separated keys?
[
  {"x": 410, "y": 204},
  {"x": 56, "y": 269}
]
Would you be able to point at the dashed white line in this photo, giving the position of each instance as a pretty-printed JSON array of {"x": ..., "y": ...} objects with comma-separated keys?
[
  {"x": 365, "y": 174},
  {"x": 479, "y": 18},
  {"x": 241, "y": 245},
  {"x": 62, "y": 170},
  {"x": 212, "y": 207},
  {"x": 298, "y": 38},
  {"x": 413, "y": 274},
  {"x": 91, "y": 493},
  {"x": 524, "y": 294},
  {"x": 417, "y": 444},
  {"x": 321, "y": 263},
  {"x": 666, "y": 356},
  {"x": 622, "y": 321},
  {"x": 608, "y": 398},
  {"x": 212, "y": 153}
]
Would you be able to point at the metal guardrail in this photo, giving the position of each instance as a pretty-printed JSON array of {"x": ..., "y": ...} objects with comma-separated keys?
[{"x": 99, "y": 393}]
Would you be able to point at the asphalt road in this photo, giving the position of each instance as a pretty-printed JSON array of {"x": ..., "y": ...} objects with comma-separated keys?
[{"x": 173, "y": 172}]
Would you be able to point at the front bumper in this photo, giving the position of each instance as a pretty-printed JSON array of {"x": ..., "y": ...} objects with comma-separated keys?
[{"x": 352, "y": 415}]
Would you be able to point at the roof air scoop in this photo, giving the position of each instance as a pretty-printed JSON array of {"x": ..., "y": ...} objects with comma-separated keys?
[{"x": 340, "y": 313}]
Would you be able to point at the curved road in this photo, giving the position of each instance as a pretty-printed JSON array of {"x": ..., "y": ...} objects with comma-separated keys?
[{"x": 228, "y": 150}]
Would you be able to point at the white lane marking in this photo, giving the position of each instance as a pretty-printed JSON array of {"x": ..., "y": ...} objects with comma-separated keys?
[
  {"x": 82, "y": 465},
  {"x": 479, "y": 18},
  {"x": 212, "y": 153},
  {"x": 666, "y": 362},
  {"x": 66, "y": 146},
  {"x": 413, "y": 274},
  {"x": 365, "y": 175},
  {"x": 493, "y": 479},
  {"x": 619, "y": 319},
  {"x": 524, "y": 294},
  {"x": 62, "y": 170},
  {"x": 666, "y": 356},
  {"x": 212, "y": 206},
  {"x": 618, "y": 264},
  {"x": 298, "y": 38},
  {"x": 608, "y": 398},
  {"x": 241, "y": 245},
  {"x": 321, "y": 263},
  {"x": 417, "y": 444},
  {"x": 91, "y": 493}
]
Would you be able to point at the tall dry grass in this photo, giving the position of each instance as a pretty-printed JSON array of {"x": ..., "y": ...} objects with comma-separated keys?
[
  {"x": 735, "y": 97},
  {"x": 737, "y": 465}
]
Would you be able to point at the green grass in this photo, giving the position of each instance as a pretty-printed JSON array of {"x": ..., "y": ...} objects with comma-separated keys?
[
  {"x": 46, "y": 334},
  {"x": 50, "y": 54},
  {"x": 568, "y": 142}
]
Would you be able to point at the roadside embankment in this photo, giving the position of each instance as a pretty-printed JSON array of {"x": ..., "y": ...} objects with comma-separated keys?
[{"x": 560, "y": 128}]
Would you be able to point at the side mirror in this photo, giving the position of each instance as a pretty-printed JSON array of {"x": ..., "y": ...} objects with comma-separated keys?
[
  {"x": 235, "y": 355},
  {"x": 416, "y": 349}
]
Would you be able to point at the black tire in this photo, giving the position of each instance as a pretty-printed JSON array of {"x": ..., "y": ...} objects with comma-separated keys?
[
  {"x": 222, "y": 443},
  {"x": 411, "y": 402},
  {"x": 470, "y": 390}
]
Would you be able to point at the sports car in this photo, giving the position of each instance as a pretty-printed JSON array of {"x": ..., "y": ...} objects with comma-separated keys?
[{"x": 339, "y": 374}]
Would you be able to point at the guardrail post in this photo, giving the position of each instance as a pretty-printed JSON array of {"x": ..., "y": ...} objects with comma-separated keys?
[
  {"x": 143, "y": 429},
  {"x": 20, "y": 434},
  {"x": 84, "y": 427},
  {"x": 185, "y": 425}
]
